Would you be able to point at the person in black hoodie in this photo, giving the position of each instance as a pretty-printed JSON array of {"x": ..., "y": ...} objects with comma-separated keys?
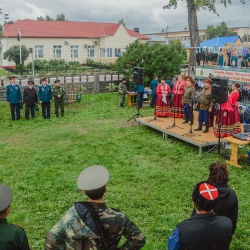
[
  {"x": 227, "y": 204},
  {"x": 30, "y": 99}
]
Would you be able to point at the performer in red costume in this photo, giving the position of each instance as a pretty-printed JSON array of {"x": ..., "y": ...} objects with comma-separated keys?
[
  {"x": 177, "y": 93},
  {"x": 236, "y": 116},
  {"x": 162, "y": 99}
]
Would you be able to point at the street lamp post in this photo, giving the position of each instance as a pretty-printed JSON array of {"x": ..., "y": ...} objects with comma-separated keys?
[{"x": 166, "y": 33}]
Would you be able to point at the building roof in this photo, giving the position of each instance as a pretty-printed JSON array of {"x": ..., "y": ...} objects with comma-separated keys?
[
  {"x": 64, "y": 29},
  {"x": 220, "y": 41}
]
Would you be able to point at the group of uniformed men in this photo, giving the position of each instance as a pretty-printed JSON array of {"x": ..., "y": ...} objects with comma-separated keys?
[{"x": 31, "y": 98}]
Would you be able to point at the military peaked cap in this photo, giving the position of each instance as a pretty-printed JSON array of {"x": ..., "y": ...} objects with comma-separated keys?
[
  {"x": 5, "y": 196},
  {"x": 12, "y": 77},
  {"x": 93, "y": 178},
  {"x": 57, "y": 81}
]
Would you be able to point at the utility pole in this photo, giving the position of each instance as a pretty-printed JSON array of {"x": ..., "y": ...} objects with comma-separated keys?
[
  {"x": 19, "y": 39},
  {"x": 31, "y": 51}
]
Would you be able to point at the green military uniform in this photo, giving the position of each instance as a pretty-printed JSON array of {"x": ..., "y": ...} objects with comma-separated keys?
[
  {"x": 122, "y": 90},
  {"x": 71, "y": 232},
  {"x": 205, "y": 101},
  {"x": 12, "y": 237},
  {"x": 189, "y": 94},
  {"x": 59, "y": 101}
]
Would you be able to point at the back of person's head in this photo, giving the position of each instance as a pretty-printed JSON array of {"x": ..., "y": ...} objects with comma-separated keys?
[
  {"x": 5, "y": 198},
  {"x": 96, "y": 194},
  {"x": 92, "y": 180},
  {"x": 205, "y": 196},
  {"x": 218, "y": 173}
]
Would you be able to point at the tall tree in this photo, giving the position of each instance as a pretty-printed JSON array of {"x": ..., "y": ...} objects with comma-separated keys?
[
  {"x": 218, "y": 31},
  {"x": 8, "y": 22},
  {"x": 122, "y": 22},
  {"x": 60, "y": 17},
  {"x": 155, "y": 58},
  {"x": 48, "y": 18},
  {"x": 40, "y": 18},
  {"x": 13, "y": 54},
  {"x": 193, "y": 6}
]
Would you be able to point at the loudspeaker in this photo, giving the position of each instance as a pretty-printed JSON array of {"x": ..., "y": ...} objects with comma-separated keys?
[
  {"x": 219, "y": 90},
  {"x": 138, "y": 75}
]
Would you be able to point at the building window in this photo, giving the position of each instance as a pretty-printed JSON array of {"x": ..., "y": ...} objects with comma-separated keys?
[
  {"x": 57, "y": 49},
  {"x": 74, "y": 51},
  {"x": 91, "y": 51},
  {"x": 118, "y": 52},
  {"x": 102, "y": 52},
  {"x": 109, "y": 52},
  {"x": 39, "y": 51}
]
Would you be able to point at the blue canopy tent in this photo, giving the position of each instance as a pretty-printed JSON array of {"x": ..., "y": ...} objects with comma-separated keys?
[{"x": 221, "y": 41}]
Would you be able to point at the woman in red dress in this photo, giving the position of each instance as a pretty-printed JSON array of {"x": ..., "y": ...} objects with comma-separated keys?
[
  {"x": 236, "y": 116},
  {"x": 177, "y": 106},
  {"x": 225, "y": 117},
  {"x": 162, "y": 99}
]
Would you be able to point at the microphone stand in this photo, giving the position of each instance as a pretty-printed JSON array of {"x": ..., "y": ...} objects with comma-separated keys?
[
  {"x": 174, "y": 124},
  {"x": 155, "y": 119},
  {"x": 137, "y": 113},
  {"x": 191, "y": 133}
]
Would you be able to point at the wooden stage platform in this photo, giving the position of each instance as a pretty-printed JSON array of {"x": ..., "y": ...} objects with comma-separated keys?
[{"x": 181, "y": 131}]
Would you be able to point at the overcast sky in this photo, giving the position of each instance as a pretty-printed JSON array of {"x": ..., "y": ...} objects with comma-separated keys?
[{"x": 148, "y": 15}]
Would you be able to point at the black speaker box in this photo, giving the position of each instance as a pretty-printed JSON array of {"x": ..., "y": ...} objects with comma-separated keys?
[
  {"x": 219, "y": 90},
  {"x": 138, "y": 75}
]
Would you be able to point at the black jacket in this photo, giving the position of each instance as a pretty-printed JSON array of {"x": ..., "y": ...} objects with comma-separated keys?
[
  {"x": 205, "y": 232},
  {"x": 227, "y": 204},
  {"x": 30, "y": 96}
]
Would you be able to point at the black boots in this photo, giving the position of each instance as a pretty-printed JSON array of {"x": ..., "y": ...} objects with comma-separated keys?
[
  {"x": 186, "y": 121},
  {"x": 206, "y": 129},
  {"x": 199, "y": 128},
  {"x": 121, "y": 105}
]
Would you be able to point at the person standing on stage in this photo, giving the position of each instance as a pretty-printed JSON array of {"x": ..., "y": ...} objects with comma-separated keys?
[
  {"x": 162, "y": 100},
  {"x": 205, "y": 106},
  {"x": 171, "y": 85},
  {"x": 45, "y": 97},
  {"x": 187, "y": 100},
  {"x": 224, "y": 117},
  {"x": 153, "y": 86},
  {"x": 14, "y": 97},
  {"x": 59, "y": 97},
  {"x": 122, "y": 90},
  {"x": 30, "y": 100},
  {"x": 177, "y": 97},
  {"x": 236, "y": 116}
]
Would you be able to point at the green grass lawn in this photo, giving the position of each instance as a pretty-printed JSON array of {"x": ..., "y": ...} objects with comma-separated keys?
[{"x": 151, "y": 178}]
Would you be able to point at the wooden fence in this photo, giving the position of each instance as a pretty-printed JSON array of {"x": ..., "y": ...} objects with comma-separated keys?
[{"x": 88, "y": 84}]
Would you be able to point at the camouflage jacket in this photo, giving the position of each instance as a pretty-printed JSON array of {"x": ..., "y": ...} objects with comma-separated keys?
[
  {"x": 189, "y": 94},
  {"x": 71, "y": 232},
  {"x": 122, "y": 89},
  {"x": 205, "y": 101}
]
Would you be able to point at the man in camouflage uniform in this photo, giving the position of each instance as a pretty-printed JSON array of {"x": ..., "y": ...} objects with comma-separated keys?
[
  {"x": 77, "y": 229},
  {"x": 205, "y": 106},
  {"x": 122, "y": 90},
  {"x": 59, "y": 97},
  {"x": 187, "y": 100}
]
